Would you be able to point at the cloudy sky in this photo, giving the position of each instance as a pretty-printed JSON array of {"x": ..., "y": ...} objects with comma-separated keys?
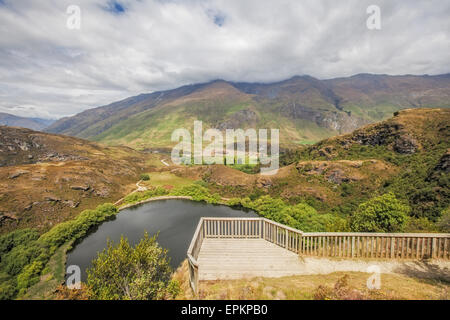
[{"x": 127, "y": 47}]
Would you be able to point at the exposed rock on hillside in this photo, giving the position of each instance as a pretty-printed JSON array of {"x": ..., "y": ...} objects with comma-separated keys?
[
  {"x": 64, "y": 176},
  {"x": 444, "y": 163}
]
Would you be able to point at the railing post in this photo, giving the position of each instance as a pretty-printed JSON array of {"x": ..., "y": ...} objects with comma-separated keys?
[
  {"x": 286, "y": 239},
  {"x": 433, "y": 248},
  {"x": 300, "y": 245},
  {"x": 262, "y": 228},
  {"x": 392, "y": 247},
  {"x": 353, "y": 247}
]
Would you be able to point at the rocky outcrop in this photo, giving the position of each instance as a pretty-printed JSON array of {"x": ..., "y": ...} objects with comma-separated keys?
[
  {"x": 337, "y": 176},
  {"x": 264, "y": 182},
  {"x": 240, "y": 119},
  {"x": 23, "y": 146},
  {"x": 386, "y": 134},
  {"x": 5, "y": 216},
  {"x": 17, "y": 174},
  {"x": 444, "y": 163},
  {"x": 405, "y": 144},
  {"x": 339, "y": 121},
  {"x": 80, "y": 187}
]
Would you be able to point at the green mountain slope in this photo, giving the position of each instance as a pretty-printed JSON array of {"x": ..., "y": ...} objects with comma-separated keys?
[{"x": 305, "y": 109}]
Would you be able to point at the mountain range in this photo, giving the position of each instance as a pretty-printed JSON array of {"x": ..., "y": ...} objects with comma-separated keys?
[
  {"x": 305, "y": 109},
  {"x": 10, "y": 120}
]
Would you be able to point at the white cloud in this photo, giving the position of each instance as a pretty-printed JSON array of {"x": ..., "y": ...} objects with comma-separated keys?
[{"x": 50, "y": 71}]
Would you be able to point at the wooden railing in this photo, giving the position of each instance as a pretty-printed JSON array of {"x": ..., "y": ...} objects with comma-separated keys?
[
  {"x": 192, "y": 254},
  {"x": 377, "y": 245},
  {"x": 325, "y": 244},
  {"x": 281, "y": 235}
]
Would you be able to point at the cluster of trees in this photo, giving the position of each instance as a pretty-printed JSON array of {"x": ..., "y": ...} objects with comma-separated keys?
[
  {"x": 301, "y": 216},
  {"x": 24, "y": 254}
]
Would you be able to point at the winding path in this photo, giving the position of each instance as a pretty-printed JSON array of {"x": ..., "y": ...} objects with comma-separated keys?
[{"x": 139, "y": 188}]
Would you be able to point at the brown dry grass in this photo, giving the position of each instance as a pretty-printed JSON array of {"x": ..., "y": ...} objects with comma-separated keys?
[{"x": 337, "y": 285}]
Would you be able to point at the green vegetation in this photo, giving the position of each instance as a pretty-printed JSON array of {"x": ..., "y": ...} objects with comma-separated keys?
[
  {"x": 427, "y": 190},
  {"x": 24, "y": 254},
  {"x": 419, "y": 177},
  {"x": 380, "y": 214},
  {"x": 136, "y": 197},
  {"x": 145, "y": 177},
  {"x": 444, "y": 221},
  {"x": 300, "y": 216},
  {"x": 166, "y": 179},
  {"x": 246, "y": 168},
  {"x": 123, "y": 272},
  {"x": 198, "y": 193}
]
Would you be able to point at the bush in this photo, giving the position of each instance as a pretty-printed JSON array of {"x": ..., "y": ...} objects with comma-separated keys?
[
  {"x": 198, "y": 193},
  {"x": 131, "y": 273},
  {"x": 444, "y": 221},
  {"x": 380, "y": 214},
  {"x": 307, "y": 219},
  {"x": 145, "y": 177},
  {"x": 136, "y": 197},
  {"x": 301, "y": 216}
]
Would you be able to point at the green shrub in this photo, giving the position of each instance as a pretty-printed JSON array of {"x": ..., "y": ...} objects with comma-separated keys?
[
  {"x": 16, "y": 238},
  {"x": 145, "y": 177},
  {"x": 136, "y": 197},
  {"x": 380, "y": 214},
  {"x": 8, "y": 289},
  {"x": 122, "y": 272},
  {"x": 444, "y": 221},
  {"x": 197, "y": 192},
  {"x": 301, "y": 216},
  {"x": 306, "y": 218}
]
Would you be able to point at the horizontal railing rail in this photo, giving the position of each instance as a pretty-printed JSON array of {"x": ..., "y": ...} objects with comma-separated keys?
[
  {"x": 325, "y": 244},
  {"x": 377, "y": 245}
]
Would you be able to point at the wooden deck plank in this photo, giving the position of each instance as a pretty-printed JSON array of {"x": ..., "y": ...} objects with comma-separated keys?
[{"x": 245, "y": 258}]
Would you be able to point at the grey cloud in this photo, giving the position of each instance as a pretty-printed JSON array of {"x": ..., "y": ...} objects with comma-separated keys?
[{"x": 50, "y": 71}]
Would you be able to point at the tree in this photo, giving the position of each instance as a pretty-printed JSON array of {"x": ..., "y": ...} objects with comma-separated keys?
[
  {"x": 124, "y": 272},
  {"x": 380, "y": 214},
  {"x": 444, "y": 221}
]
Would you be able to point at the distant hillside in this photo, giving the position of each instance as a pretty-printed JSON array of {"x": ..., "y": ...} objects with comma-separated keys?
[
  {"x": 7, "y": 119},
  {"x": 305, "y": 109},
  {"x": 48, "y": 178}
]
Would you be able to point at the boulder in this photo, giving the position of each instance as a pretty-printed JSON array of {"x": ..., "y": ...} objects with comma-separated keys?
[{"x": 80, "y": 187}]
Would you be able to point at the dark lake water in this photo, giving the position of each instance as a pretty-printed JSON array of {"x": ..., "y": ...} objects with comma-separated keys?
[{"x": 175, "y": 220}]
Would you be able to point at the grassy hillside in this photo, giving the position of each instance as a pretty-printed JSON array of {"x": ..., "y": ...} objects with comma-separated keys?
[
  {"x": 47, "y": 178},
  {"x": 416, "y": 142}
]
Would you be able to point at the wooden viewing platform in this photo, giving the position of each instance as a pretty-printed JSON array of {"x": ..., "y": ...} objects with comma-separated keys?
[{"x": 233, "y": 248}]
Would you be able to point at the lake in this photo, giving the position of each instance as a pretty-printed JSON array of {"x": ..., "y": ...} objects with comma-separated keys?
[{"x": 176, "y": 221}]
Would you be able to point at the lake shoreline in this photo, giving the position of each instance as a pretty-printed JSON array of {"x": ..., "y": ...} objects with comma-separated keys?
[{"x": 154, "y": 199}]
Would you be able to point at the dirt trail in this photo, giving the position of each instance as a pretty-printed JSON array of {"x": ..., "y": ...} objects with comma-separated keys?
[{"x": 139, "y": 188}]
